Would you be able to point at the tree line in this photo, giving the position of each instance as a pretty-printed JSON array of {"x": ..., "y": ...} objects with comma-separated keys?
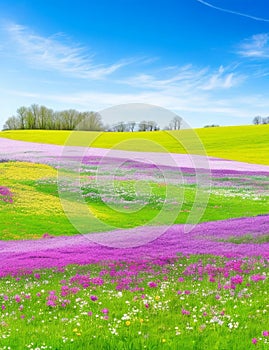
[
  {"x": 134, "y": 126},
  {"x": 258, "y": 120},
  {"x": 41, "y": 117}
]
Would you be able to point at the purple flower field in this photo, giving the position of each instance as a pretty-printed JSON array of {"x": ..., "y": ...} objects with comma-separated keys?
[{"x": 82, "y": 249}]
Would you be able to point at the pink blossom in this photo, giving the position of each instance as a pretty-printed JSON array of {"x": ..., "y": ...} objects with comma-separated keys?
[
  {"x": 152, "y": 284},
  {"x": 17, "y": 298},
  {"x": 51, "y": 303},
  {"x": 257, "y": 278},
  {"x": 185, "y": 312}
]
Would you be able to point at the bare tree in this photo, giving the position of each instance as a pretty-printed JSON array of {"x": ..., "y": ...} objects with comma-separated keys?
[
  {"x": 21, "y": 115},
  {"x": 11, "y": 124},
  {"x": 120, "y": 127},
  {"x": 69, "y": 119},
  {"x": 130, "y": 126},
  {"x": 44, "y": 117},
  {"x": 257, "y": 120},
  {"x": 265, "y": 120},
  {"x": 152, "y": 126},
  {"x": 91, "y": 121},
  {"x": 143, "y": 126},
  {"x": 175, "y": 123},
  {"x": 35, "y": 114}
]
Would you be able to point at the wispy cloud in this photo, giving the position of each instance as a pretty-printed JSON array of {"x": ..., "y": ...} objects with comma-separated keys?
[
  {"x": 262, "y": 19},
  {"x": 186, "y": 89},
  {"x": 257, "y": 46},
  {"x": 56, "y": 53},
  {"x": 203, "y": 104},
  {"x": 52, "y": 53},
  {"x": 222, "y": 79},
  {"x": 187, "y": 78}
]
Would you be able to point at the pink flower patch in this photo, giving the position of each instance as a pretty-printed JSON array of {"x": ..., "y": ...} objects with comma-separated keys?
[{"x": 5, "y": 195}]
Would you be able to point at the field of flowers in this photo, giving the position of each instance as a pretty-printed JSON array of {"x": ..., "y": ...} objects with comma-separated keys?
[{"x": 125, "y": 250}]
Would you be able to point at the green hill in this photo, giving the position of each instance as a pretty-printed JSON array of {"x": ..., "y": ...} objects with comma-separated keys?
[{"x": 243, "y": 143}]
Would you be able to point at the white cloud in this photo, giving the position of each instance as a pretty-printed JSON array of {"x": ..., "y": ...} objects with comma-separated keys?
[
  {"x": 178, "y": 75},
  {"x": 176, "y": 101},
  {"x": 188, "y": 78},
  {"x": 257, "y": 46},
  {"x": 222, "y": 79},
  {"x": 51, "y": 53}
]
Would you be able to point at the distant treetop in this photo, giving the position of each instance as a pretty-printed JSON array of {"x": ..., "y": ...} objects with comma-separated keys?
[{"x": 41, "y": 117}]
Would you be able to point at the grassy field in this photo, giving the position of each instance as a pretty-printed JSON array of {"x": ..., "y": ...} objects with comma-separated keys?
[
  {"x": 197, "y": 302},
  {"x": 242, "y": 143},
  {"x": 36, "y": 207}
]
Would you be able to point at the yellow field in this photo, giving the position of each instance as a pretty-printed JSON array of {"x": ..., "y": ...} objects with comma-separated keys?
[{"x": 243, "y": 143}]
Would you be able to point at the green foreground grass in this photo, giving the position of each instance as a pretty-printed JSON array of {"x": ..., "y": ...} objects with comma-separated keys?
[
  {"x": 242, "y": 143},
  {"x": 196, "y": 302}
]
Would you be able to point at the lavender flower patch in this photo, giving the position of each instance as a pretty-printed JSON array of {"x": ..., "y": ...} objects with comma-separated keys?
[
  {"x": 5, "y": 195},
  {"x": 53, "y": 154}
]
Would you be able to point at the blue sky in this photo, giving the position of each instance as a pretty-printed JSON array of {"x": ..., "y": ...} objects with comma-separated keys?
[{"x": 207, "y": 61}]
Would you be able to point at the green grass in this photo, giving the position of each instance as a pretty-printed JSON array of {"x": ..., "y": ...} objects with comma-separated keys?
[
  {"x": 243, "y": 143},
  {"x": 195, "y": 312},
  {"x": 248, "y": 238},
  {"x": 37, "y": 208}
]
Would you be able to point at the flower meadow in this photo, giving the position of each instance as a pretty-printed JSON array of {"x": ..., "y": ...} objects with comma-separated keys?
[
  {"x": 107, "y": 249},
  {"x": 190, "y": 302}
]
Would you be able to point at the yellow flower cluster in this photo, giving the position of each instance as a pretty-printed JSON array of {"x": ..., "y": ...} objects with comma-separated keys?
[
  {"x": 27, "y": 199},
  {"x": 26, "y": 171}
]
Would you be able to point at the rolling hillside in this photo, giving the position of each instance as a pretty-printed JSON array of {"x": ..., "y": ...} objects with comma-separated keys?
[{"x": 242, "y": 143}]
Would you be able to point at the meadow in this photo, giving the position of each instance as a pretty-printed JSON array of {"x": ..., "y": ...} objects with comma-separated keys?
[
  {"x": 115, "y": 251},
  {"x": 242, "y": 143},
  {"x": 196, "y": 302}
]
